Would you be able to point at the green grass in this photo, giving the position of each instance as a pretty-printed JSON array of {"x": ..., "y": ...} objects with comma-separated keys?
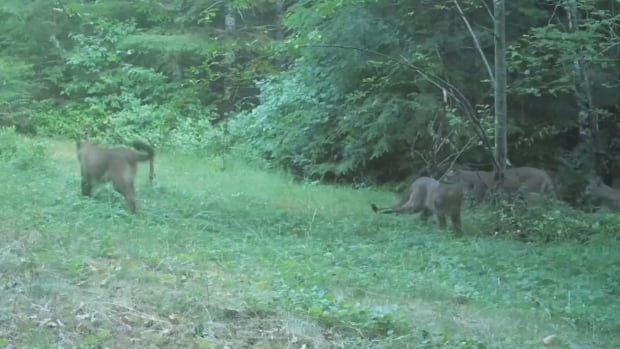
[{"x": 247, "y": 258}]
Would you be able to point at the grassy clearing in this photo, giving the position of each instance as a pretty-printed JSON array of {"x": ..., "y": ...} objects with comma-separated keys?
[{"x": 247, "y": 258}]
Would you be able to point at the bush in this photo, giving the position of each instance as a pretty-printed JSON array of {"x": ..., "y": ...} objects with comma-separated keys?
[
  {"x": 157, "y": 124},
  {"x": 305, "y": 124},
  {"x": 69, "y": 121},
  {"x": 22, "y": 154},
  {"x": 536, "y": 218},
  {"x": 137, "y": 121}
]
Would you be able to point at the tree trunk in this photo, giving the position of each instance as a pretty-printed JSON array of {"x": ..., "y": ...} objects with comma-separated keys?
[
  {"x": 501, "y": 151},
  {"x": 588, "y": 120}
]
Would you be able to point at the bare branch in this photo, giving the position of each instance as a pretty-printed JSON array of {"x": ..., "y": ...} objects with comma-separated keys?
[
  {"x": 475, "y": 38},
  {"x": 484, "y": 4},
  {"x": 467, "y": 146},
  {"x": 447, "y": 89}
]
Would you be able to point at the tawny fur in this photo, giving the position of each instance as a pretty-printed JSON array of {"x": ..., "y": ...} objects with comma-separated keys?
[
  {"x": 529, "y": 179},
  {"x": 474, "y": 183},
  {"x": 478, "y": 183},
  {"x": 117, "y": 165},
  {"x": 428, "y": 196},
  {"x": 603, "y": 194}
]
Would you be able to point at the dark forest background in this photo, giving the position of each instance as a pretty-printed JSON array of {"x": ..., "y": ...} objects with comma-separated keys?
[{"x": 348, "y": 91}]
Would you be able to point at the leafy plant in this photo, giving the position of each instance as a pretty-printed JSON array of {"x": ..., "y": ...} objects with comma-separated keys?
[
  {"x": 540, "y": 219},
  {"x": 21, "y": 154}
]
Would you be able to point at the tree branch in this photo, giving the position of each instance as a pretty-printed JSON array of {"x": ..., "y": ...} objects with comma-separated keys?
[
  {"x": 447, "y": 88},
  {"x": 476, "y": 43},
  {"x": 484, "y": 4}
]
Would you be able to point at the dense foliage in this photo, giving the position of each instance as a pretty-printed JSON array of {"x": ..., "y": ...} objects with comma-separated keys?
[{"x": 359, "y": 90}]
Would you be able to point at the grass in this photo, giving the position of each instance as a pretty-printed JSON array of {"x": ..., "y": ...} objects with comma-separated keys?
[{"x": 247, "y": 258}]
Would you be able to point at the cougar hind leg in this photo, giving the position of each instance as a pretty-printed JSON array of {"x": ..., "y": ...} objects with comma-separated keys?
[
  {"x": 424, "y": 216},
  {"x": 126, "y": 188},
  {"x": 87, "y": 188},
  {"x": 441, "y": 218},
  {"x": 124, "y": 184},
  {"x": 456, "y": 222}
]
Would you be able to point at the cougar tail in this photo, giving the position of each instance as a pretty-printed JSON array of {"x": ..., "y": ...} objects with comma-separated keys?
[
  {"x": 147, "y": 148},
  {"x": 381, "y": 210}
]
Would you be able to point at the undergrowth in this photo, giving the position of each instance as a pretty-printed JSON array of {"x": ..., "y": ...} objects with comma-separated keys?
[
  {"x": 535, "y": 218},
  {"x": 245, "y": 258}
]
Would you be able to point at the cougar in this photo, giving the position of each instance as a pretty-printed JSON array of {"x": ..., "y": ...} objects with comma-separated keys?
[
  {"x": 428, "y": 196},
  {"x": 117, "y": 165}
]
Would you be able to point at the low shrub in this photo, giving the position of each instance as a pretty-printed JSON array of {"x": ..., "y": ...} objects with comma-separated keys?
[
  {"x": 537, "y": 218},
  {"x": 22, "y": 154}
]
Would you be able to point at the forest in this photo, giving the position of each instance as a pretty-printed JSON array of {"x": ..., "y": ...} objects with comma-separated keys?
[{"x": 276, "y": 126}]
